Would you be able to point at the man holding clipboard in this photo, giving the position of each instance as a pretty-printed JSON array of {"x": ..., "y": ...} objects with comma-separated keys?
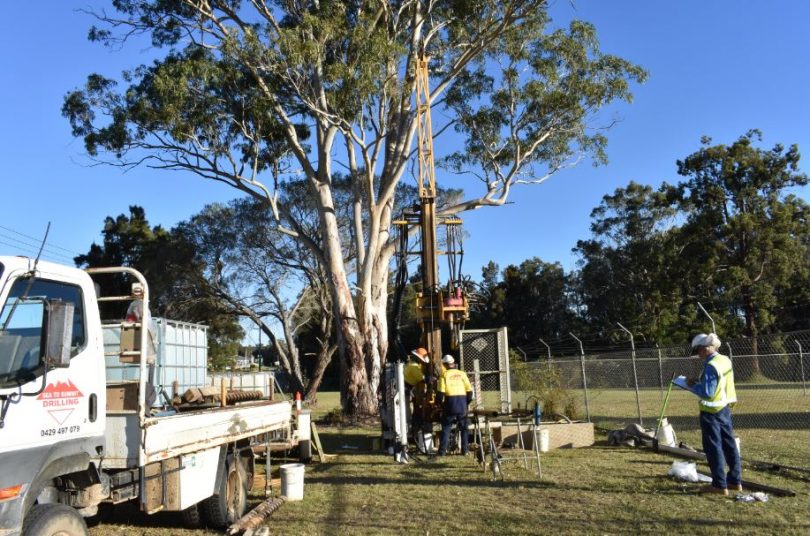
[{"x": 715, "y": 388}]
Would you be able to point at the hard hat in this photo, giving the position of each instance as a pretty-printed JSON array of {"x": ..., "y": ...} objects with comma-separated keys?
[
  {"x": 448, "y": 360},
  {"x": 421, "y": 354},
  {"x": 704, "y": 339}
]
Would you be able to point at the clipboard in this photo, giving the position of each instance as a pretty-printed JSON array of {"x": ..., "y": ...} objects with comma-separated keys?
[{"x": 680, "y": 381}]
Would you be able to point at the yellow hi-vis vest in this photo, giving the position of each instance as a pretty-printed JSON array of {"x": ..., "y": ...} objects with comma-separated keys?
[
  {"x": 725, "y": 393},
  {"x": 413, "y": 373},
  {"x": 453, "y": 382}
]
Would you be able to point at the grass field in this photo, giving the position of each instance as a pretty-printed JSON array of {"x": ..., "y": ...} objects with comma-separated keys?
[{"x": 596, "y": 490}]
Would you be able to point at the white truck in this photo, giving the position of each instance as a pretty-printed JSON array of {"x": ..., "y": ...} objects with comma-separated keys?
[{"x": 69, "y": 440}]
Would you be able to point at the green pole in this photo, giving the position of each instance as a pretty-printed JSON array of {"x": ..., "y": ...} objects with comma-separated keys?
[{"x": 663, "y": 408}]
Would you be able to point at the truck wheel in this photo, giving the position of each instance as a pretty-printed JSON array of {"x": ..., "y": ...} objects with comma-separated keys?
[
  {"x": 53, "y": 520},
  {"x": 191, "y": 517},
  {"x": 219, "y": 511}
]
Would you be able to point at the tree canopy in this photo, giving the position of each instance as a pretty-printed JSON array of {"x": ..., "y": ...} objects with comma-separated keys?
[
  {"x": 257, "y": 94},
  {"x": 167, "y": 260}
]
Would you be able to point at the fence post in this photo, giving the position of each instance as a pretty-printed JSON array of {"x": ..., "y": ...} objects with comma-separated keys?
[
  {"x": 519, "y": 349},
  {"x": 548, "y": 348},
  {"x": 801, "y": 363},
  {"x": 660, "y": 370},
  {"x": 730, "y": 351},
  {"x": 635, "y": 372},
  {"x": 584, "y": 377}
]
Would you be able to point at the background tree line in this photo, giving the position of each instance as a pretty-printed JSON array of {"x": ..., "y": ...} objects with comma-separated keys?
[{"x": 732, "y": 234}]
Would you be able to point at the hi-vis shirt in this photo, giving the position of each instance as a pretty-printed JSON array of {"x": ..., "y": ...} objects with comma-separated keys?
[
  {"x": 716, "y": 385},
  {"x": 413, "y": 373},
  {"x": 457, "y": 391}
]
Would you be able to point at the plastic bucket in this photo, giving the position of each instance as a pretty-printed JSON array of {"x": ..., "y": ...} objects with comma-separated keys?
[
  {"x": 666, "y": 435},
  {"x": 292, "y": 481},
  {"x": 543, "y": 435}
]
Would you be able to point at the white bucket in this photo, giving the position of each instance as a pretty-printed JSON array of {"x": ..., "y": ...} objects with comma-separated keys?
[
  {"x": 543, "y": 438},
  {"x": 666, "y": 435},
  {"x": 292, "y": 481}
]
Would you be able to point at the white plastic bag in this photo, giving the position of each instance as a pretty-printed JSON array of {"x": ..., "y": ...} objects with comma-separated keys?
[
  {"x": 687, "y": 471},
  {"x": 684, "y": 471}
]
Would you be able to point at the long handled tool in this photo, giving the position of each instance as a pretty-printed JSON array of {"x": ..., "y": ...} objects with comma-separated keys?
[{"x": 663, "y": 408}]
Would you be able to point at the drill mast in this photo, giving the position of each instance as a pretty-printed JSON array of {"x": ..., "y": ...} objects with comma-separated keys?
[{"x": 434, "y": 306}]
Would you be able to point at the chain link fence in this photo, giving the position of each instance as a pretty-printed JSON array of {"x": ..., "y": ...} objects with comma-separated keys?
[{"x": 771, "y": 417}]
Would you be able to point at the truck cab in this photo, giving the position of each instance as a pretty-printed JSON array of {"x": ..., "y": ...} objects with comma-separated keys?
[
  {"x": 74, "y": 433},
  {"x": 52, "y": 418}
]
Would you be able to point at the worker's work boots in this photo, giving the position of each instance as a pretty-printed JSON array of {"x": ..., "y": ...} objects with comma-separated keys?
[
  {"x": 713, "y": 490},
  {"x": 733, "y": 487}
]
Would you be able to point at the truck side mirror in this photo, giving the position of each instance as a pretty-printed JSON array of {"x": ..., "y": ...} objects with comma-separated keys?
[{"x": 59, "y": 334}]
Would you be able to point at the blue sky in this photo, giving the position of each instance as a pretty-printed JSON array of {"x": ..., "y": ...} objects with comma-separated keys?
[{"x": 716, "y": 68}]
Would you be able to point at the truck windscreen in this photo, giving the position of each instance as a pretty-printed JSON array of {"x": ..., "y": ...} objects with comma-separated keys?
[{"x": 22, "y": 327}]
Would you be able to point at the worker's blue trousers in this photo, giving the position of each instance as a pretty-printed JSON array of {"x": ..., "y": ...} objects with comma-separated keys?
[
  {"x": 720, "y": 448},
  {"x": 447, "y": 425}
]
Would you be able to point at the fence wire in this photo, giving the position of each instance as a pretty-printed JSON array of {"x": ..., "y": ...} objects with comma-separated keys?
[{"x": 771, "y": 417}]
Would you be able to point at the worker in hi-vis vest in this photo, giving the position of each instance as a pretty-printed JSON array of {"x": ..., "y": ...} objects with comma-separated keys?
[
  {"x": 454, "y": 393},
  {"x": 415, "y": 386},
  {"x": 715, "y": 388}
]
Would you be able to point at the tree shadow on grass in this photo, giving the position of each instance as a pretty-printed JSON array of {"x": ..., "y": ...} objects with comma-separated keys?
[
  {"x": 375, "y": 480},
  {"x": 130, "y": 515}
]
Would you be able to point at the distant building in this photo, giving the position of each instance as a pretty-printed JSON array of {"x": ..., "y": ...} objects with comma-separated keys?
[{"x": 242, "y": 362}]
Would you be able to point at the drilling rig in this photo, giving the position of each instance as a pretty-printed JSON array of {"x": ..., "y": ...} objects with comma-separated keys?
[{"x": 437, "y": 305}]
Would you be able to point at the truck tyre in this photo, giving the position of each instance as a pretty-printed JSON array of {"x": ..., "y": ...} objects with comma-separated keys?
[
  {"x": 219, "y": 511},
  {"x": 191, "y": 517},
  {"x": 53, "y": 520}
]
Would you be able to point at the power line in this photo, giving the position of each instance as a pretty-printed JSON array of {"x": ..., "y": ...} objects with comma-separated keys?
[
  {"x": 38, "y": 240},
  {"x": 31, "y": 251},
  {"x": 33, "y": 247}
]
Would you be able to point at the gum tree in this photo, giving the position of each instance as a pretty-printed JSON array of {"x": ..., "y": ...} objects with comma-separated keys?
[{"x": 253, "y": 93}]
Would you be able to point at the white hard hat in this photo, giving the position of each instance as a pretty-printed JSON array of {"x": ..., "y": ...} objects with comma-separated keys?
[
  {"x": 708, "y": 340},
  {"x": 448, "y": 360}
]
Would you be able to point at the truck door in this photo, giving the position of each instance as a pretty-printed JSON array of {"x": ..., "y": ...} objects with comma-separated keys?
[{"x": 46, "y": 407}]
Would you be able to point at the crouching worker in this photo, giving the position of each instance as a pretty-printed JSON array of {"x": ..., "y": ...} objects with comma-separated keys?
[{"x": 454, "y": 393}]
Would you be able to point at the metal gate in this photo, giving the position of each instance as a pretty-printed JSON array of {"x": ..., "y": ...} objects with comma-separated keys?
[{"x": 490, "y": 348}]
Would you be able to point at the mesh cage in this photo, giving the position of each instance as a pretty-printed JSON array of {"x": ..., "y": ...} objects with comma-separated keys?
[{"x": 490, "y": 349}]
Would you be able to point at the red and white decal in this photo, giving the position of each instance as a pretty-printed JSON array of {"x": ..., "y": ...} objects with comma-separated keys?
[{"x": 60, "y": 399}]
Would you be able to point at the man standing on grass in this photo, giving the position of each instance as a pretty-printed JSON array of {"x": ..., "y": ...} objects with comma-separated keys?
[
  {"x": 715, "y": 387},
  {"x": 454, "y": 393}
]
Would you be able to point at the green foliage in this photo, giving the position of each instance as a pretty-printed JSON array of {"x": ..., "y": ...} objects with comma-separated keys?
[
  {"x": 630, "y": 271},
  {"x": 167, "y": 261},
  {"x": 538, "y": 381},
  {"x": 752, "y": 236},
  {"x": 532, "y": 299},
  {"x": 261, "y": 95},
  {"x": 729, "y": 236}
]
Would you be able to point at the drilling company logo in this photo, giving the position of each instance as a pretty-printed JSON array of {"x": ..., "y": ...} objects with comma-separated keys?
[{"x": 60, "y": 399}]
